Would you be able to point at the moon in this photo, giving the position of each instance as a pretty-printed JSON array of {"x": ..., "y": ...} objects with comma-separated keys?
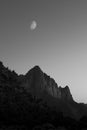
[{"x": 33, "y": 25}]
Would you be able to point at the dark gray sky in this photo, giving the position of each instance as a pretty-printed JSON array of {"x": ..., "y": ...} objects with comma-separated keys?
[{"x": 58, "y": 44}]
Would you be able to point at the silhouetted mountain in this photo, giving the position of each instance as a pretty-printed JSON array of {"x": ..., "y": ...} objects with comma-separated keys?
[
  {"x": 39, "y": 82},
  {"x": 35, "y": 99}
]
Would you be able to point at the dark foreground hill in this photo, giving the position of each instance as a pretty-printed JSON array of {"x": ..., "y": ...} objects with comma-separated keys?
[{"x": 35, "y": 100}]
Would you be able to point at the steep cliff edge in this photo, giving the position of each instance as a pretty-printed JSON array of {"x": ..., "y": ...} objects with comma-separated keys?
[
  {"x": 37, "y": 81},
  {"x": 21, "y": 94}
]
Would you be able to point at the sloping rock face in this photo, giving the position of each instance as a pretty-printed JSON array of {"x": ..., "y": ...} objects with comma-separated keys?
[
  {"x": 34, "y": 81},
  {"x": 65, "y": 93},
  {"x": 22, "y": 95},
  {"x": 7, "y": 77},
  {"x": 38, "y": 81}
]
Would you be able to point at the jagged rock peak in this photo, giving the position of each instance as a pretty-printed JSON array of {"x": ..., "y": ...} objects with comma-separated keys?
[
  {"x": 65, "y": 93},
  {"x": 41, "y": 81},
  {"x": 35, "y": 69}
]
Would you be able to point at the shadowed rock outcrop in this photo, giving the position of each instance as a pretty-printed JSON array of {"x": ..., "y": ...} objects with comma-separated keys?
[
  {"x": 36, "y": 99},
  {"x": 38, "y": 81}
]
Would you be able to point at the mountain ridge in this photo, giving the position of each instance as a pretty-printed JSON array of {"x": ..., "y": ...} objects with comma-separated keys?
[
  {"x": 35, "y": 88},
  {"x": 48, "y": 84}
]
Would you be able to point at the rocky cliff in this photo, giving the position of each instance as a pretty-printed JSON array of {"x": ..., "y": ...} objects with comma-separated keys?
[
  {"x": 20, "y": 95},
  {"x": 38, "y": 81}
]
